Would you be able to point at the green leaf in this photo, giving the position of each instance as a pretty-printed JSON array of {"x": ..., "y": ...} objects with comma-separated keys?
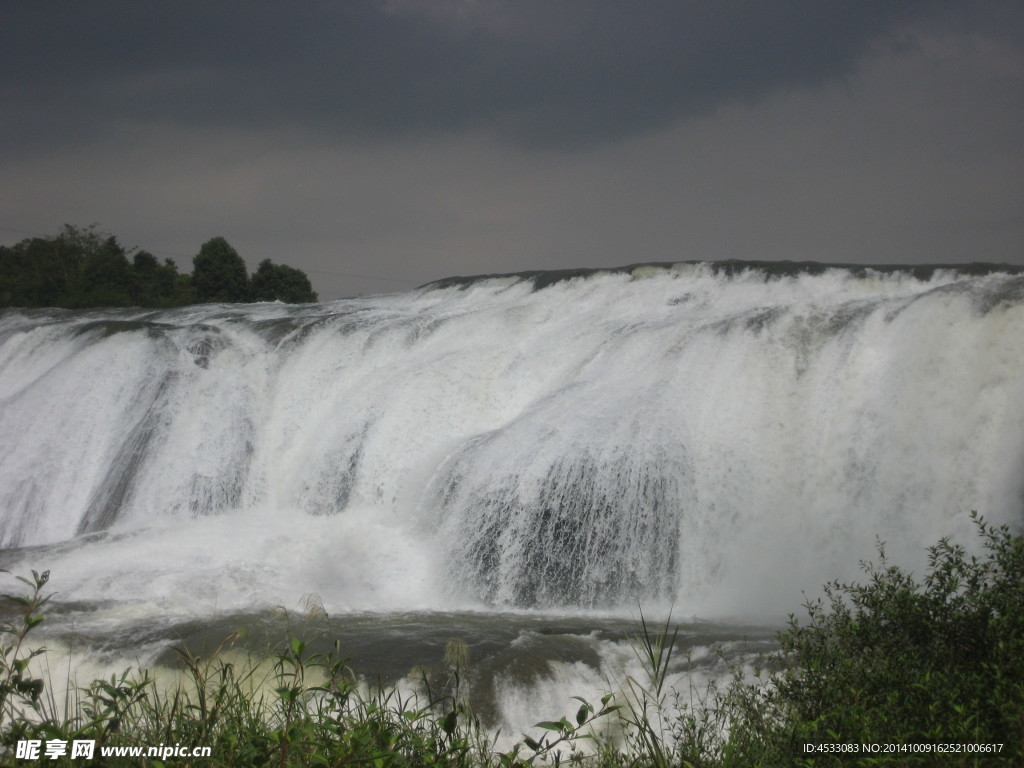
[
  {"x": 448, "y": 725},
  {"x": 549, "y": 725}
]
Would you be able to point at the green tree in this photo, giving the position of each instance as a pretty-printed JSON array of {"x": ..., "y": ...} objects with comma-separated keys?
[
  {"x": 279, "y": 282},
  {"x": 145, "y": 278},
  {"x": 12, "y": 276},
  {"x": 82, "y": 267},
  {"x": 219, "y": 273},
  {"x": 47, "y": 271},
  {"x": 106, "y": 277},
  {"x": 173, "y": 288}
]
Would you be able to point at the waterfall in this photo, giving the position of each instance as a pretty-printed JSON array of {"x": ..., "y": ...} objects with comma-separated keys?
[{"x": 717, "y": 439}]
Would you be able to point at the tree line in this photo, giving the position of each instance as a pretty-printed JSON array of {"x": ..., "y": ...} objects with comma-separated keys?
[{"x": 81, "y": 267}]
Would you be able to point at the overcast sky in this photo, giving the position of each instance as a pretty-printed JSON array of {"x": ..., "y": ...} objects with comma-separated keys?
[{"x": 381, "y": 144}]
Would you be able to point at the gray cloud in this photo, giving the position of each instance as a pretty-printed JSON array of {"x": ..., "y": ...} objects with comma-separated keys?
[
  {"x": 407, "y": 141},
  {"x": 555, "y": 74}
]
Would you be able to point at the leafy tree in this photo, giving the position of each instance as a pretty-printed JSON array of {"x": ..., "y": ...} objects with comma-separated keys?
[
  {"x": 183, "y": 289},
  {"x": 12, "y": 276},
  {"x": 145, "y": 278},
  {"x": 279, "y": 282},
  {"x": 82, "y": 267},
  {"x": 158, "y": 285},
  {"x": 106, "y": 277},
  {"x": 219, "y": 273},
  {"x": 174, "y": 289},
  {"x": 40, "y": 272}
]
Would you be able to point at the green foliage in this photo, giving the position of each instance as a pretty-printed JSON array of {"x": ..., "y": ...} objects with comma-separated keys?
[
  {"x": 158, "y": 285},
  {"x": 47, "y": 271},
  {"x": 106, "y": 278},
  {"x": 646, "y": 715},
  {"x": 279, "y": 282},
  {"x": 81, "y": 267},
  {"x": 218, "y": 273},
  {"x": 17, "y": 686},
  {"x": 562, "y": 736},
  {"x": 895, "y": 660}
]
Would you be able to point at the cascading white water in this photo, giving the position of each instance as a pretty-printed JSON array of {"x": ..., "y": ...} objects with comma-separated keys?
[{"x": 662, "y": 435}]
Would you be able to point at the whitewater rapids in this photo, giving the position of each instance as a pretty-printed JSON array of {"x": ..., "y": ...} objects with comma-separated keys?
[{"x": 677, "y": 435}]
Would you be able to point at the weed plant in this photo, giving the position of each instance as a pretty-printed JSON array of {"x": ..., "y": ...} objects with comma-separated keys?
[{"x": 937, "y": 663}]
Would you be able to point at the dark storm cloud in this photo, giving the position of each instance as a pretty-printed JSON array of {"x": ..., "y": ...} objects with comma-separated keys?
[
  {"x": 410, "y": 140},
  {"x": 551, "y": 74}
]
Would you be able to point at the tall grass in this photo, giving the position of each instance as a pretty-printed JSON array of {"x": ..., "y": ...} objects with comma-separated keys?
[{"x": 894, "y": 661}]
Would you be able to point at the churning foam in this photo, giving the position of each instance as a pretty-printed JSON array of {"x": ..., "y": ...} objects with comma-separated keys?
[{"x": 675, "y": 436}]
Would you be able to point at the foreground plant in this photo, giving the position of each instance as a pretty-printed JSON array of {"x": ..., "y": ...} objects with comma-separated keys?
[
  {"x": 895, "y": 661},
  {"x": 19, "y": 691}
]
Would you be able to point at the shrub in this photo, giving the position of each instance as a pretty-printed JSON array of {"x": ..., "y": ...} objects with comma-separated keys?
[{"x": 897, "y": 661}]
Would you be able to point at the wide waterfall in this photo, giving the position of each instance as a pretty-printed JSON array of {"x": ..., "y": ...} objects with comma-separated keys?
[{"x": 713, "y": 439}]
